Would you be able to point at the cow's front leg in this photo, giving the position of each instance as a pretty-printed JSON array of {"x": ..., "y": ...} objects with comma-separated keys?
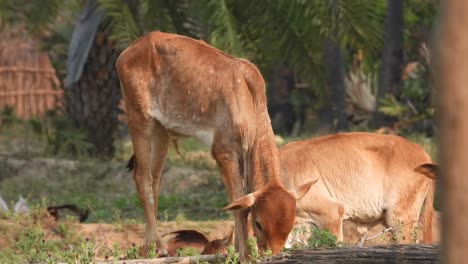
[{"x": 233, "y": 181}]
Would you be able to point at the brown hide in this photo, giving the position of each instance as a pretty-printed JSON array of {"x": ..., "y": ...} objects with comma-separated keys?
[
  {"x": 185, "y": 238},
  {"x": 174, "y": 86},
  {"x": 363, "y": 177},
  {"x": 219, "y": 246}
]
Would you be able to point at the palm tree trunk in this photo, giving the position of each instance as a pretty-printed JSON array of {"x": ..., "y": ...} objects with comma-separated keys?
[
  {"x": 335, "y": 113},
  {"x": 92, "y": 102},
  {"x": 392, "y": 57},
  {"x": 453, "y": 106}
]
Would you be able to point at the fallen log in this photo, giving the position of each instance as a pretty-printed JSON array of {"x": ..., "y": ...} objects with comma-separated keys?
[
  {"x": 171, "y": 260},
  {"x": 415, "y": 253}
]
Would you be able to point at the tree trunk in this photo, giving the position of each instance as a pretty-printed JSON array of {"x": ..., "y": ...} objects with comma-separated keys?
[
  {"x": 92, "y": 102},
  {"x": 334, "y": 112},
  {"x": 452, "y": 68},
  {"x": 392, "y": 57}
]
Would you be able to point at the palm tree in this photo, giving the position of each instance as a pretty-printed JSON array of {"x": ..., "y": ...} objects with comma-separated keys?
[
  {"x": 266, "y": 32},
  {"x": 92, "y": 87},
  {"x": 390, "y": 81}
]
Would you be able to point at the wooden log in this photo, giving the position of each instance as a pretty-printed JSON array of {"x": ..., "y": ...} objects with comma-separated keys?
[
  {"x": 416, "y": 253},
  {"x": 377, "y": 254},
  {"x": 170, "y": 260}
]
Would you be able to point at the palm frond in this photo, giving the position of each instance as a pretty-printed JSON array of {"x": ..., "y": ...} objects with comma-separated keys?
[
  {"x": 223, "y": 26},
  {"x": 362, "y": 24},
  {"x": 157, "y": 16},
  {"x": 184, "y": 22},
  {"x": 41, "y": 14},
  {"x": 277, "y": 32},
  {"x": 6, "y": 12},
  {"x": 122, "y": 23}
]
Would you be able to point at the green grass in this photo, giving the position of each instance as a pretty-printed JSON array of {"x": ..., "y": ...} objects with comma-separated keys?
[
  {"x": 105, "y": 184},
  {"x": 192, "y": 185}
]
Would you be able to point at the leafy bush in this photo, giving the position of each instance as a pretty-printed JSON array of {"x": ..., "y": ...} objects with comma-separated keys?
[{"x": 322, "y": 239}]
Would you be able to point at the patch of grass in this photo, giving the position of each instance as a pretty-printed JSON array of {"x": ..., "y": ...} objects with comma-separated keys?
[
  {"x": 188, "y": 252},
  {"x": 322, "y": 239},
  {"x": 255, "y": 254},
  {"x": 232, "y": 256},
  {"x": 132, "y": 252}
]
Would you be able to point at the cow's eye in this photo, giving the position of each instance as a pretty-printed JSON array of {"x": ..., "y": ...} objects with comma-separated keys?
[{"x": 258, "y": 225}]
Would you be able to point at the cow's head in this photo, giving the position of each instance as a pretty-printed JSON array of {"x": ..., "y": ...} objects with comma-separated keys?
[{"x": 273, "y": 210}]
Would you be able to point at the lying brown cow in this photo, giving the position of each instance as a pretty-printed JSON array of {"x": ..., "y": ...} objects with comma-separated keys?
[
  {"x": 191, "y": 238},
  {"x": 363, "y": 177}
]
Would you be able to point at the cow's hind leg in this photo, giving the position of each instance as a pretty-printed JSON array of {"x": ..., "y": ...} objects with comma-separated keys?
[
  {"x": 142, "y": 133},
  {"x": 160, "y": 147}
]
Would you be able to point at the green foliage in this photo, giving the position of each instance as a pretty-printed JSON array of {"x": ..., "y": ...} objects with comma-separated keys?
[
  {"x": 132, "y": 252},
  {"x": 8, "y": 116},
  {"x": 224, "y": 26},
  {"x": 232, "y": 256},
  {"x": 390, "y": 106},
  {"x": 33, "y": 247},
  {"x": 188, "y": 252},
  {"x": 395, "y": 236},
  {"x": 82, "y": 255},
  {"x": 153, "y": 251},
  {"x": 255, "y": 254},
  {"x": 62, "y": 137},
  {"x": 253, "y": 248},
  {"x": 322, "y": 239},
  {"x": 37, "y": 15},
  {"x": 121, "y": 21},
  {"x": 129, "y": 20}
]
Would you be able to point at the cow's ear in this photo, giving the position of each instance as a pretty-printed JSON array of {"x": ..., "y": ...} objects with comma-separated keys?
[
  {"x": 303, "y": 189},
  {"x": 229, "y": 240},
  {"x": 244, "y": 202},
  {"x": 430, "y": 170}
]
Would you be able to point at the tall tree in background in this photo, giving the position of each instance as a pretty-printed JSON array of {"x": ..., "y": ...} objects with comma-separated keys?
[
  {"x": 335, "y": 113},
  {"x": 334, "y": 108},
  {"x": 453, "y": 106},
  {"x": 390, "y": 81},
  {"x": 91, "y": 87}
]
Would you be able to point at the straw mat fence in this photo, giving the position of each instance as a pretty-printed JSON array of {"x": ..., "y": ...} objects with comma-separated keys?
[{"x": 28, "y": 82}]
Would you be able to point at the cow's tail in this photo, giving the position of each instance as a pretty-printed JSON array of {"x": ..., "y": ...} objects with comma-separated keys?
[
  {"x": 430, "y": 171},
  {"x": 131, "y": 164}
]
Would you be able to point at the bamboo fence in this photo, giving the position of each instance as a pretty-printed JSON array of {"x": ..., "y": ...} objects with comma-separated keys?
[{"x": 28, "y": 81}]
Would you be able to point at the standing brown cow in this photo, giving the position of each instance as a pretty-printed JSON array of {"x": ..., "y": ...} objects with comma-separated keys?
[
  {"x": 174, "y": 86},
  {"x": 363, "y": 177}
]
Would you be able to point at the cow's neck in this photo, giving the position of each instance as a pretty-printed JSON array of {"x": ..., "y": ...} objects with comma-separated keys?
[{"x": 263, "y": 168}]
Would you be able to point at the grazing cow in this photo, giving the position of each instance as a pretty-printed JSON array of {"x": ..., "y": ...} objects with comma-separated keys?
[
  {"x": 363, "y": 177},
  {"x": 175, "y": 86}
]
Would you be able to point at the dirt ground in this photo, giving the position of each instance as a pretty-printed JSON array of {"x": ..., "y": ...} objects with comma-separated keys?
[{"x": 123, "y": 235}]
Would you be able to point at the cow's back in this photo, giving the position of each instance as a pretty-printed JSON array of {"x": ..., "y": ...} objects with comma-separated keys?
[
  {"x": 363, "y": 171},
  {"x": 191, "y": 84}
]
